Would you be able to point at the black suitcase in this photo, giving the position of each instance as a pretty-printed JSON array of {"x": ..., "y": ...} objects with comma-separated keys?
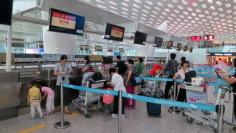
[{"x": 154, "y": 110}]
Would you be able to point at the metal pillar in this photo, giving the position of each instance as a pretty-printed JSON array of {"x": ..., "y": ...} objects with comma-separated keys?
[
  {"x": 120, "y": 113},
  {"x": 220, "y": 118},
  {"x": 62, "y": 124},
  {"x": 8, "y": 50}
]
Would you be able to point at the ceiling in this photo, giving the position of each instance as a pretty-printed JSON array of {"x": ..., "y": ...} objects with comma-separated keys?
[{"x": 185, "y": 17}]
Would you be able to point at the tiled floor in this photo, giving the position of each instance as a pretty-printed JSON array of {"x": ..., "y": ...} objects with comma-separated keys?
[{"x": 137, "y": 121}]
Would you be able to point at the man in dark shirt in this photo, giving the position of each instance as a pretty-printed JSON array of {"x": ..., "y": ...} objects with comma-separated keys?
[
  {"x": 121, "y": 66},
  {"x": 170, "y": 69}
]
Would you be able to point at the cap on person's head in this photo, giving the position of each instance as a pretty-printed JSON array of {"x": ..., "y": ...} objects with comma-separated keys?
[{"x": 172, "y": 55}]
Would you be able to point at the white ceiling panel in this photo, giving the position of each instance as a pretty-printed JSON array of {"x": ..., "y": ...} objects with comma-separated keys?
[{"x": 185, "y": 17}]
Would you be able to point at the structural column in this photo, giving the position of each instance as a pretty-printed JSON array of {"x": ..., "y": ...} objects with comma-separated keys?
[{"x": 8, "y": 50}]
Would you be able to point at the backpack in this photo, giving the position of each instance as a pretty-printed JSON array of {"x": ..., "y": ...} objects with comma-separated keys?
[{"x": 96, "y": 76}]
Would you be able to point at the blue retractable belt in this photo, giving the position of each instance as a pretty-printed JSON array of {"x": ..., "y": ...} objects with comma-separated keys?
[{"x": 198, "y": 106}]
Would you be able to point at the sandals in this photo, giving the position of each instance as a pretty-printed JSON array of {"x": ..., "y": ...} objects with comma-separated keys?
[{"x": 68, "y": 112}]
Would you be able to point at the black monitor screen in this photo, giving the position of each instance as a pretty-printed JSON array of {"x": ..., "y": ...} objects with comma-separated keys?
[
  {"x": 140, "y": 38},
  {"x": 114, "y": 32},
  {"x": 6, "y": 12},
  {"x": 158, "y": 42},
  {"x": 65, "y": 22}
]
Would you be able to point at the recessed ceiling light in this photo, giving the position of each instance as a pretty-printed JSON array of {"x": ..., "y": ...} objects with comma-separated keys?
[
  {"x": 135, "y": 10},
  {"x": 101, "y": 2},
  {"x": 210, "y": 1},
  {"x": 123, "y": 8},
  {"x": 124, "y": 4},
  {"x": 219, "y": 3},
  {"x": 145, "y": 11},
  {"x": 101, "y": 6},
  {"x": 229, "y": 11},
  {"x": 135, "y": 5},
  {"x": 175, "y": 1},
  {"x": 227, "y": 5},
  {"x": 149, "y": 2},
  {"x": 184, "y": 2},
  {"x": 212, "y": 8},
  {"x": 214, "y": 13},
  {"x": 124, "y": 13},
  {"x": 113, "y": 3},
  {"x": 112, "y": 7},
  {"x": 180, "y": 7},
  {"x": 204, "y": 6},
  {"x": 198, "y": 11},
  {"x": 147, "y": 7},
  {"x": 167, "y": 10},
  {"x": 138, "y": 1},
  {"x": 159, "y": 4},
  {"x": 176, "y": 11},
  {"x": 170, "y": 5},
  {"x": 195, "y": 4},
  {"x": 189, "y": 9}
]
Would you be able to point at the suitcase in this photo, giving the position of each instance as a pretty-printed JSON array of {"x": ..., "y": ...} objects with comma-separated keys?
[{"x": 154, "y": 110}]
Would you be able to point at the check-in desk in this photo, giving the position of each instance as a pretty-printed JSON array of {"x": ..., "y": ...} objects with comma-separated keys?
[{"x": 9, "y": 99}]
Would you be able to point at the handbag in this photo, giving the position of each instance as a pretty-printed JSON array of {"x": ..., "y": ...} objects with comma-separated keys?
[{"x": 108, "y": 98}]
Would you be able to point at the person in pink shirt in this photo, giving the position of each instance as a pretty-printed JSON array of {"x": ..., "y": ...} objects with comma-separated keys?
[{"x": 49, "y": 93}]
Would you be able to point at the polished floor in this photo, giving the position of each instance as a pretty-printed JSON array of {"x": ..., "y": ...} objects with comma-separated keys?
[{"x": 136, "y": 121}]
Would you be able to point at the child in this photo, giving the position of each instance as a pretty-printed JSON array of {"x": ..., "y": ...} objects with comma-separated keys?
[
  {"x": 34, "y": 99},
  {"x": 49, "y": 93},
  {"x": 118, "y": 83}
]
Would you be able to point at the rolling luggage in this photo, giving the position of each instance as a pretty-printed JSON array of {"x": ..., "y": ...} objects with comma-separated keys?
[
  {"x": 154, "y": 110},
  {"x": 152, "y": 90}
]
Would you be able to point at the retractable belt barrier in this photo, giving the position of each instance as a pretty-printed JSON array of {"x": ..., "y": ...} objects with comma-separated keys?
[
  {"x": 219, "y": 109},
  {"x": 197, "y": 106}
]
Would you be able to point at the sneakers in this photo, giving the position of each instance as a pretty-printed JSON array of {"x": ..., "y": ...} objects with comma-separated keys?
[{"x": 116, "y": 116}]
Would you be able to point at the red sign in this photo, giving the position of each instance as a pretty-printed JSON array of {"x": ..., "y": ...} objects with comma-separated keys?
[{"x": 204, "y": 38}]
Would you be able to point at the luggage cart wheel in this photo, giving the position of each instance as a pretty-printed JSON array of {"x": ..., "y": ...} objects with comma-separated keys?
[
  {"x": 87, "y": 115},
  {"x": 190, "y": 119}
]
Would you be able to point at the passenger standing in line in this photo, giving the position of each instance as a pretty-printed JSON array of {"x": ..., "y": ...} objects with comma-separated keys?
[
  {"x": 139, "y": 68},
  {"x": 88, "y": 66},
  {"x": 34, "y": 99},
  {"x": 121, "y": 66},
  {"x": 62, "y": 70},
  {"x": 131, "y": 103},
  {"x": 232, "y": 81},
  {"x": 50, "y": 95},
  {"x": 106, "y": 67},
  {"x": 181, "y": 75},
  {"x": 118, "y": 83},
  {"x": 170, "y": 69}
]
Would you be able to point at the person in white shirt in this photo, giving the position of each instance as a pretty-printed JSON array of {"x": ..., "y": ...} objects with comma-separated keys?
[
  {"x": 118, "y": 83},
  {"x": 181, "y": 75}
]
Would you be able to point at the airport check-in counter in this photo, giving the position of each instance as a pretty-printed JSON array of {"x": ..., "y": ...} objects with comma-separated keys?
[{"x": 9, "y": 99}]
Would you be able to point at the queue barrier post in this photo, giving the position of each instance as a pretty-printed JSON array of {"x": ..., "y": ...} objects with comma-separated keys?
[
  {"x": 220, "y": 118},
  {"x": 62, "y": 124},
  {"x": 120, "y": 112}
]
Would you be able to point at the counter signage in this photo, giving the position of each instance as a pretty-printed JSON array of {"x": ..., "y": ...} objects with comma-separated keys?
[
  {"x": 222, "y": 54},
  {"x": 202, "y": 38}
]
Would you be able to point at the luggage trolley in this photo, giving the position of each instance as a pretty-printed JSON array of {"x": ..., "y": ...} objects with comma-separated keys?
[
  {"x": 86, "y": 100},
  {"x": 198, "y": 94}
]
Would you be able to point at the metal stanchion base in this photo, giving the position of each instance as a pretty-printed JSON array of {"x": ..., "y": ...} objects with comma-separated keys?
[{"x": 65, "y": 124}]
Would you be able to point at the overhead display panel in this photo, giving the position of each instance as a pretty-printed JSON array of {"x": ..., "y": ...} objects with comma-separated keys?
[
  {"x": 140, "y": 38},
  {"x": 114, "y": 32},
  {"x": 6, "y": 12},
  {"x": 65, "y": 22},
  {"x": 158, "y": 42}
]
